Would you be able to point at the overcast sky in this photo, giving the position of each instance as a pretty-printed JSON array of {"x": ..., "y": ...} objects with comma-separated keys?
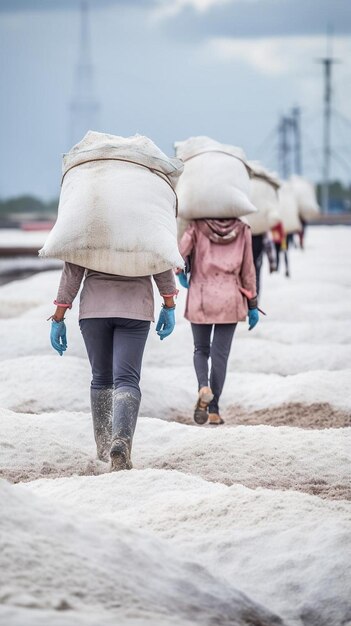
[{"x": 169, "y": 69}]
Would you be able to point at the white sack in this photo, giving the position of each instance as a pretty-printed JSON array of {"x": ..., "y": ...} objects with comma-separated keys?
[
  {"x": 182, "y": 225},
  {"x": 306, "y": 197},
  {"x": 264, "y": 196},
  {"x": 115, "y": 216},
  {"x": 289, "y": 208},
  {"x": 215, "y": 182}
]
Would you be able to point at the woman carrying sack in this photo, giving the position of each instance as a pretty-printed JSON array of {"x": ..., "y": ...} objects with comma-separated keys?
[
  {"x": 114, "y": 318},
  {"x": 222, "y": 292}
]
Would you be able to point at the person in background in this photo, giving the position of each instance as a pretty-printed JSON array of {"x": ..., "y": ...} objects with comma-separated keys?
[
  {"x": 221, "y": 293},
  {"x": 114, "y": 317},
  {"x": 280, "y": 242},
  {"x": 260, "y": 244},
  {"x": 302, "y": 233},
  {"x": 269, "y": 248},
  {"x": 257, "y": 252}
]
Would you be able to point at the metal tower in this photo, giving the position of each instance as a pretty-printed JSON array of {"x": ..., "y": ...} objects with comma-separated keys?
[
  {"x": 84, "y": 106},
  {"x": 284, "y": 146},
  {"x": 327, "y": 63},
  {"x": 290, "y": 148},
  {"x": 296, "y": 128}
]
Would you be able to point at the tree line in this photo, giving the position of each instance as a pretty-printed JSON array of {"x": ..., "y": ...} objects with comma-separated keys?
[{"x": 28, "y": 205}]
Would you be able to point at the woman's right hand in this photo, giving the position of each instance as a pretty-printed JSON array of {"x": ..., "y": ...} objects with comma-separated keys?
[
  {"x": 58, "y": 336},
  {"x": 254, "y": 318},
  {"x": 182, "y": 277}
]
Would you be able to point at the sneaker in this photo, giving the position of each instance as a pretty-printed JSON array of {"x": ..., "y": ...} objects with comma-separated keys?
[
  {"x": 120, "y": 456},
  {"x": 215, "y": 419},
  {"x": 201, "y": 408}
]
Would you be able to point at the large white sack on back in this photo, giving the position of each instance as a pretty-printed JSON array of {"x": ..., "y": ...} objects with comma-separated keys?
[
  {"x": 116, "y": 216},
  {"x": 137, "y": 148},
  {"x": 215, "y": 182},
  {"x": 306, "y": 197},
  {"x": 182, "y": 225},
  {"x": 289, "y": 208},
  {"x": 264, "y": 196}
]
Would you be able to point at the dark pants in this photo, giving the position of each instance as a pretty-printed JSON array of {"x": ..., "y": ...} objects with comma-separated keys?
[
  {"x": 257, "y": 251},
  {"x": 218, "y": 350},
  {"x": 278, "y": 247},
  {"x": 115, "y": 348}
]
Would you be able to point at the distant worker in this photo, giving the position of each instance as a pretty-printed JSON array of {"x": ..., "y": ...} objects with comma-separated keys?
[
  {"x": 222, "y": 292},
  {"x": 261, "y": 244},
  {"x": 280, "y": 242}
]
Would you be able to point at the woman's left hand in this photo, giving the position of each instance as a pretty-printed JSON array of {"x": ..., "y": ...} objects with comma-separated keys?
[
  {"x": 58, "y": 336},
  {"x": 254, "y": 318},
  {"x": 166, "y": 322}
]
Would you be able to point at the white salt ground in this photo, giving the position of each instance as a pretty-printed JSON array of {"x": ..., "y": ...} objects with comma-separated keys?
[
  {"x": 18, "y": 297},
  {"x": 207, "y": 511},
  {"x": 256, "y": 456},
  {"x": 81, "y": 564},
  {"x": 30, "y": 385},
  {"x": 281, "y": 548},
  {"x": 16, "y": 616},
  {"x": 12, "y": 237},
  {"x": 273, "y": 356}
]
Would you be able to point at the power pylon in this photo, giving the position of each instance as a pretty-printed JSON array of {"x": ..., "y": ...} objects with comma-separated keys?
[
  {"x": 296, "y": 128},
  {"x": 327, "y": 62},
  {"x": 290, "y": 145},
  {"x": 284, "y": 146},
  {"x": 84, "y": 106}
]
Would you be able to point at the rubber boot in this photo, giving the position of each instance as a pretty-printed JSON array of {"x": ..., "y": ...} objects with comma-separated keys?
[
  {"x": 101, "y": 410},
  {"x": 126, "y": 402}
]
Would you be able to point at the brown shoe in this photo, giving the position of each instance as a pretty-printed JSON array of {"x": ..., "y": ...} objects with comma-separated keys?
[
  {"x": 215, "y": 419},
  {"x": 201, "y": 408}
]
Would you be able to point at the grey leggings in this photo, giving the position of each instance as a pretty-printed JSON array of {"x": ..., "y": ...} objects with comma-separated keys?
[
  {"x": 115, "y": 348},
  {"x": 218, "y": 350}
]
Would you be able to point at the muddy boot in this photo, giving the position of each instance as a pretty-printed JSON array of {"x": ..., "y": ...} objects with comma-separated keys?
[
  {"x": 101, "y": 410},
  {"x": 126, "y": 402},
  {"x": 201, "y": 407}
]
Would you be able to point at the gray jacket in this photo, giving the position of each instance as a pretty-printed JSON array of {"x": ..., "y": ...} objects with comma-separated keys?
[{"x": 107, "y": 295}]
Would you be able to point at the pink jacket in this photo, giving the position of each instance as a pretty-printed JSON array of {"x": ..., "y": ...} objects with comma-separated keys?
[{"x": 222, "y": 276}]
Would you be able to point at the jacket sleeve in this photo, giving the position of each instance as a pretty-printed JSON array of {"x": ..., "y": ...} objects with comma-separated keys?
[
  {"x": 71, "y": 278},
  {"x": 187, "y": 241},
  {"x": 166, "y": 284},
  {"x": 248, "y": 272}
]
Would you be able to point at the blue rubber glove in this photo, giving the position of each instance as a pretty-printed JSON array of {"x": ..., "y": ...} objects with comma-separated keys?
[
  {"x": 58, "y": 336},
  {"x": 254, "y": 318},
  {"x": 182, "y": 277},
  {"x": 166, "y": 322}
]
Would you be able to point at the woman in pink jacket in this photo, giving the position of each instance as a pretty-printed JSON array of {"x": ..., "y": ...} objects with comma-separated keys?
[{"x": 222, "y": 292}]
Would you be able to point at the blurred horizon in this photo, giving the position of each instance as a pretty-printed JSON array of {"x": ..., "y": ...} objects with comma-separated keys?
[{"x": 170, "y": 69}]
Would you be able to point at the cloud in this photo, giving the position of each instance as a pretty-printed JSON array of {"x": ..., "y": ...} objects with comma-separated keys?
[
  {"x": 170, "y": 8},
  {"x": 258, "y": 18},
  {"x": 65, "y": 5},
  {"x": 276, "y": 56}
]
